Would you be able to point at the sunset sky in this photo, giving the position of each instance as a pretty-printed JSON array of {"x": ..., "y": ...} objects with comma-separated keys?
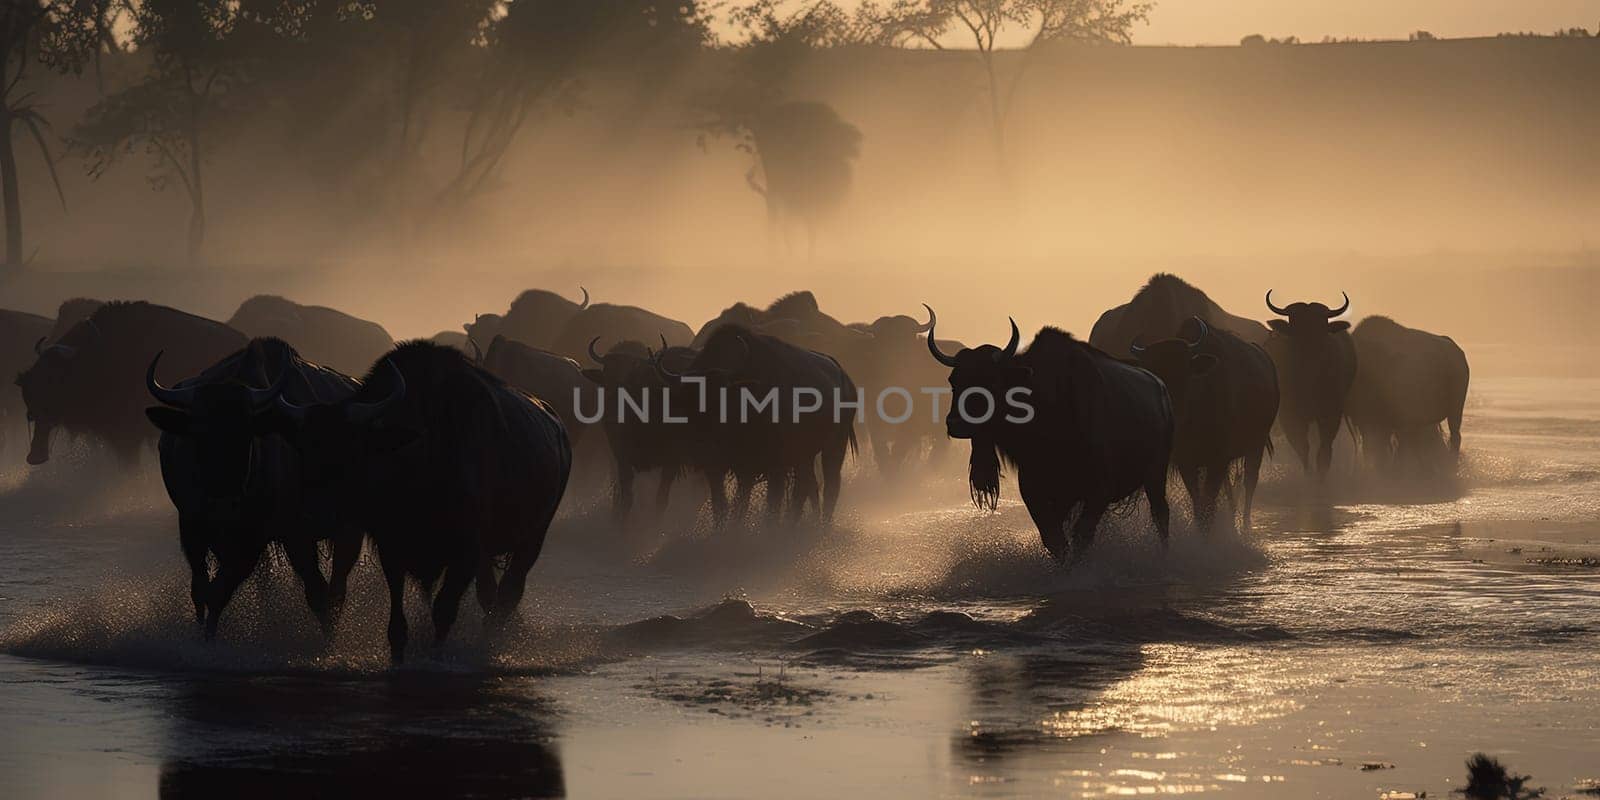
[{"x": 1225, "y": 21}]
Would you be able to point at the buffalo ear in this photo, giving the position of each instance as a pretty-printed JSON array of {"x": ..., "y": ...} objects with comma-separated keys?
[
  {"x": 169, "y": 420},
  {"x": 1337, "y": 326},
  {"x": 1202, "y": 363},
  {"x": 1278, "y": 325},
  {"x": 595, "y": 375}
]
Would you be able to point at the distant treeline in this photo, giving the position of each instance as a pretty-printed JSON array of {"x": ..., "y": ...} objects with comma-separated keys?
[
  {"x": 307, "y": 130},
  {"x": 1256, "y": 39}
]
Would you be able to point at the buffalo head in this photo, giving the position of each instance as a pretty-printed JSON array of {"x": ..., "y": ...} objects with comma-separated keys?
[
  {"x": 1178, "y": 359},
  {"x": 222, "y": 420},
  {"x": 976, "y": 371},
  {"x": 484, "y": 327},
  {"x": 341, "y": 443},
  {"x": 1307, "y": 319},
  {"x": 900, "y": 326},
  {"x": 626, "y": 364},
  {"x": 48, "y": 390}
]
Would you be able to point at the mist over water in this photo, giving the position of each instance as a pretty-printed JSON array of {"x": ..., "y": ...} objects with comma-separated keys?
[
  {"x": 1360, "y": 623},
  {"x": 1363, "y": 640}
]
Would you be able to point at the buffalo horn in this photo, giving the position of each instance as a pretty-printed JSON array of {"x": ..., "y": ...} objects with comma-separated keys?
[{"x": 177, "y": 398}]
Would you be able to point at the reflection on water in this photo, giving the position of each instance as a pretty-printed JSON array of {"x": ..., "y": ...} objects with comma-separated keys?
[
  {"x": 920, "y": 649},
  {"x": 408, "y": 736}
]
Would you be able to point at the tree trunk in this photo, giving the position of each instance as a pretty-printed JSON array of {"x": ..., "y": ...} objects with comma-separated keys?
[
  {"x": 12, "y": 196},
  {"x": 197, "y": 232},
  {"x": 997, "y": 122},
  {"x": 197, "y": 195}
]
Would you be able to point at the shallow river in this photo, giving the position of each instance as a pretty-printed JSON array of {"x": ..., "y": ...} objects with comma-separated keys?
[{"x": 1362, "y": 642}]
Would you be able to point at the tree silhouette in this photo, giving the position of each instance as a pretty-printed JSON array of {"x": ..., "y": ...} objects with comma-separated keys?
[
  {"x": 982, "y": 24},
  {"x": 536, "y": 53},
  {"x": 199, "y": 54},
  {"x": 802, "y": 151},
  {"x": 29, "y": 30}
]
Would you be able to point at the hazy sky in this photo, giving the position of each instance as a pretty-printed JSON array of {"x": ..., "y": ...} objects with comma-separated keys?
[{"x": 1225, "y": 21}]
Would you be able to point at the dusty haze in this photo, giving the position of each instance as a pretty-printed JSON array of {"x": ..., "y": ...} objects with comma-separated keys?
[{"x": 1449, "y": 184}]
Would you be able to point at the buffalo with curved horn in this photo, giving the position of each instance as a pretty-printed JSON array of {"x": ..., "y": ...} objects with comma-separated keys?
[
  {"x": 235, "y": 479},
  {"x": 641, "y": 443},
  {"x": 1408, "y": 381},
  {"x": 1084, "y": 430},
  {"x": 448, "y": 469},
  {"x": 1316, "y": 362},
  {"x": 1162, "y": 305},
  {"x": 90, "y": 379},
  {"x": 554, "y": 379},
  {"x": 22, "y": 338},
  {"x": 534, "y": 318},
  {"x": 1224, "y": 394},
  {"x": 753, "y": 418}
]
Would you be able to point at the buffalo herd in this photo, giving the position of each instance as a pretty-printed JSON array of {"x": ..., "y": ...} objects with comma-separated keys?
[{"x": 452, "y": 455}]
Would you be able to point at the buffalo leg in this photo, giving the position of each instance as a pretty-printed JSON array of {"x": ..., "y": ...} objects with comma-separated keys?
[
  {"x": 447, "y": 603},
  {"x": 1215, "y": 476},
  {"x": 1191, "y": 482},
  {"x": 1454, "y": 421},
  {"x": 395, "y": 576},
  {"x": 1298, "y": 433},
  {"x": 191, "y": 535},
  {"x": 1089, "y": 519},
  {"x": 515, "y": 580},
  {"x": 1049, "y": 515},
  {"x": 1155, "y": 492},
  {"x": 346, "y": 552},
  {"x": 664, "y": 490},
  {"x": 744, "y": 485},
  {"x": 880, "y": 450},
  {"x": 832, "y": 477},
  {"x": 486, "y": 584},
  {"x": 1327, "y": 431},
  {"x": 622, "y": 493},
  {"x": 236, "y": 563},
  {"x": 717, "y": 486},
  {"x": 303, "y": 560},
  {"x": 1252, "y": 476},
  {"x": 777, "y": 490}
]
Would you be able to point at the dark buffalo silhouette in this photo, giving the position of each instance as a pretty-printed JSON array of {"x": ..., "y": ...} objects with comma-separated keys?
[
  {"x": 536, "y": 317},
  {"x": 613, "y": 323},
  {"x": 1316, "y": 361},
  {"x": 640, "y": 443},
  {"x": 90, "y": 380},
  {"x": 1407, "y": 382},
  {"x": 803, "y": 155},
  {"x": 1159, "y": 307},
  {"x": 553, "y": 378},
  {"x": 457, "y": 340},
  {"x": 1096, "y": 430},
  {"x": 777, "y": 443},
  {"x": 71, "y": 313},
  {"x": 447, "y": 468},
  {"x": 891, "y": 357},
  {"x": 320, "y": 334},
  {"x": 480, "y": 331},
  {"x": 1224, "y": 394},
  {"x": 21, "y": 336},
  {"x": 236, "y": 482},
  {"x": 794, "y": 318}
]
